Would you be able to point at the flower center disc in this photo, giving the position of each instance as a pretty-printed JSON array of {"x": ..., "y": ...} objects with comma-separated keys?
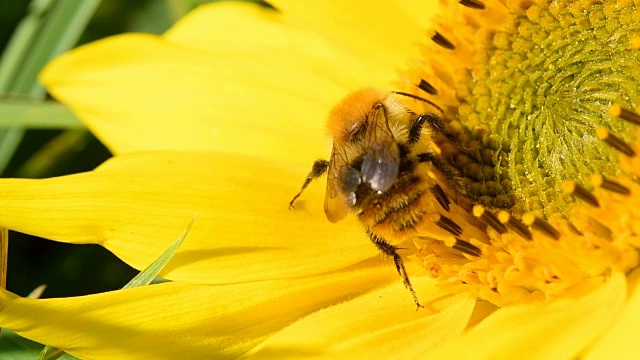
[{"x": 533, "y": 91}]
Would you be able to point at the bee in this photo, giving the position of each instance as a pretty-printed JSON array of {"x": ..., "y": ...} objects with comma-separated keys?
[{"x": 377, "y": 172}]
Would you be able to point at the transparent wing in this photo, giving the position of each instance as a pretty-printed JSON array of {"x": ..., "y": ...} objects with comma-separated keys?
[
  {"x": 381, "y": 161},
  {"x": 341, "y": 185}
]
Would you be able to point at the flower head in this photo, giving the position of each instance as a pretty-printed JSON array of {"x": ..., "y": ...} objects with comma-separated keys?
[
  {"x": 223, "y": 114},
  {"x": 541, "y": 96}
]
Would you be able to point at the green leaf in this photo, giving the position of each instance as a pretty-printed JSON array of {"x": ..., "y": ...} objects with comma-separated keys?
[
  {"x": 36, "y": 114},
  {"x": 15, "y": 347},
  {"x": 50, "y": 28}
]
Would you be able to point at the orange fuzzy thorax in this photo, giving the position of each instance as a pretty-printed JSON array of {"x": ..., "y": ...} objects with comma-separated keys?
[{"x": 352, "y": 111}]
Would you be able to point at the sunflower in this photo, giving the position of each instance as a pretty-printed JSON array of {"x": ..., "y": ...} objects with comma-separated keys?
[{"x": 223, "y": 116}]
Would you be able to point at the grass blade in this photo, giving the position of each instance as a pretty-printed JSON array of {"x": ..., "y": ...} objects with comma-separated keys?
[{"x": 146, "y": 276}]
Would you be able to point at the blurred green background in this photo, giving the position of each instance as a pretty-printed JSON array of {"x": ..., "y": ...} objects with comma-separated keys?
[{"x": 53, "y": 147}]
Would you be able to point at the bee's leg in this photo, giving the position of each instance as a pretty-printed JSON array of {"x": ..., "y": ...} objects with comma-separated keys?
[
  {"x": 319, "y": 168},
  {"x": 435, "y": 123},
  {"x": 392, "y": 251}
]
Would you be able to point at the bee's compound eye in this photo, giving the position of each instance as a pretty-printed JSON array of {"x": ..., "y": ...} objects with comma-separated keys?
[{"x": 355, "y": 129}]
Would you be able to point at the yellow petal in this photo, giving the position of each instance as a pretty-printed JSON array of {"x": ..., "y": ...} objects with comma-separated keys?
[
  {"x": 560, "y": 330},
  {"x": 381, "y": 325},
  {"x": 419, "y": 12},
  {"x": 177, "y": 320},
  {"x": 381, "y": 32},
  {"x": 264, "y": 91},
  {"x": 136, "y": 205},
  {"x": 268, "y": 37},
  {"x": 621, "y": 341}
]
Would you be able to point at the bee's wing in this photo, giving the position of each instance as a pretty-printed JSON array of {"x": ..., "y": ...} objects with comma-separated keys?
[
  {"x": 381, "y": 161},
  {"x": 342, "y": 182}
]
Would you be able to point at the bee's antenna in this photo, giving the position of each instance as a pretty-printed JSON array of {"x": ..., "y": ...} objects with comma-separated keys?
[{"x": 419, "y": 98}]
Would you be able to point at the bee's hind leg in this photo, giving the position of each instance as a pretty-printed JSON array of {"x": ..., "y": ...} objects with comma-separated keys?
[
  {"x": 390, "y": 250},
  {"x": 319, "y": 168}
]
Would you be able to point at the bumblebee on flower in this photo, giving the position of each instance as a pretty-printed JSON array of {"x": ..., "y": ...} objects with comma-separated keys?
[{"x": 530, "y": 194}]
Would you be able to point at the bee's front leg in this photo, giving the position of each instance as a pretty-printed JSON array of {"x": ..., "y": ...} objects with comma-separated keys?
[
  {"x": 319, "y": 168},
  {"x": 435, "y": 123}
]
